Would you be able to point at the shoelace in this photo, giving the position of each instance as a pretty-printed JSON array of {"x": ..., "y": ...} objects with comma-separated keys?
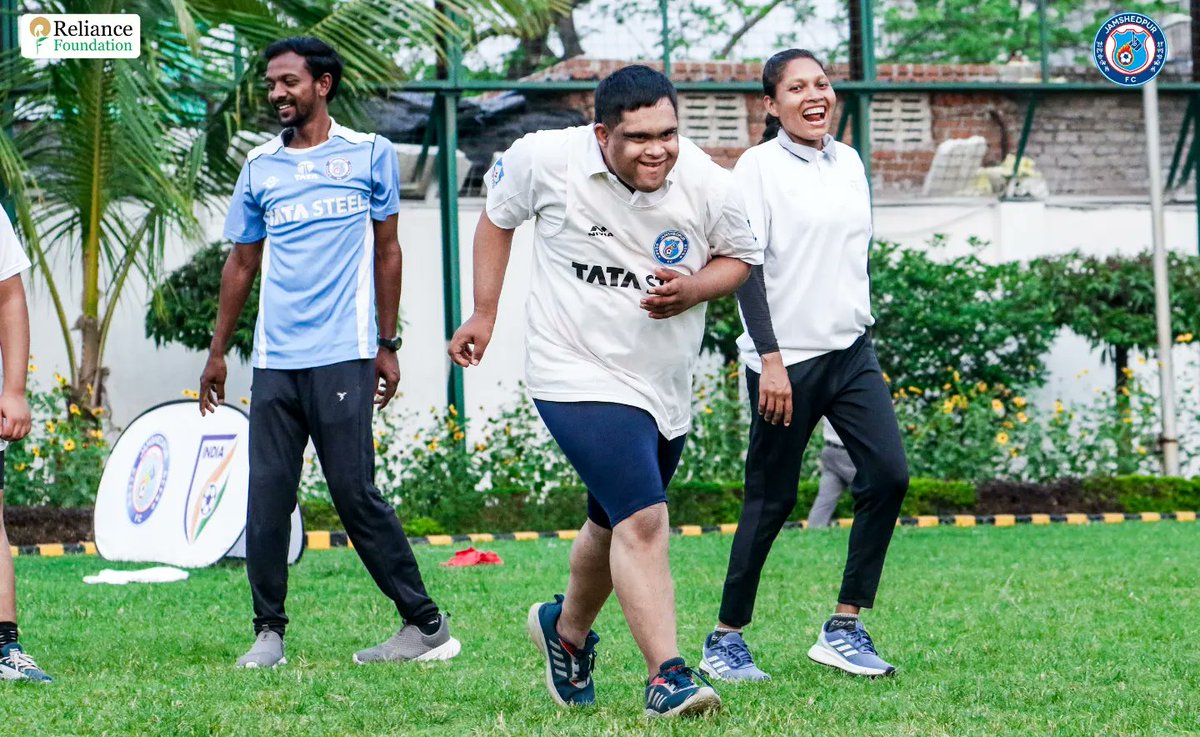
[
  {"x": 736, "y": 655},
  {"x": 861, "y": 641},
  {"x": 581, "y": 664},
  {"x": 681, "y": 677},
  {"x": 20, "y": 661}
]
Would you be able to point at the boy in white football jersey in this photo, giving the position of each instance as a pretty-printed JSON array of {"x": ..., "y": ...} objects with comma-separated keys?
[
  {"x": 635, "y": 229},
  {"x": 15, "y": 663}
]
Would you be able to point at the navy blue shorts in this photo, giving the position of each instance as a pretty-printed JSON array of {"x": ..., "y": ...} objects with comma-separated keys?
[{"x": 617, "y": 451}]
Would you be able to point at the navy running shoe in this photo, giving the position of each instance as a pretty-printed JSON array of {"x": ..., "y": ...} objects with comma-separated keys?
[
  {"x": 845, "y": 644},
  {"x": 568, "y": 669},
  {"x": 16, "y": 665},
  {"x": 728, "y": 658},
  {"x": 674, "y": 692}
]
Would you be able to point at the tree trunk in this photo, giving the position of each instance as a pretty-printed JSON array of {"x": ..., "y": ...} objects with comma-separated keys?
[
  {"x": 86, "y": 391},
  {"x": 568, "y": 34},
  {"x": 536, "y": 51}
]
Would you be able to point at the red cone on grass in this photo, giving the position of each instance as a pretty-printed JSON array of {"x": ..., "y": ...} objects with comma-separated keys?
[{"x": 473, "y": 557}]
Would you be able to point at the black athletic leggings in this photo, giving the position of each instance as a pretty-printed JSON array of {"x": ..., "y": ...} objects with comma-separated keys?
[{"x": 847, "y": 387}]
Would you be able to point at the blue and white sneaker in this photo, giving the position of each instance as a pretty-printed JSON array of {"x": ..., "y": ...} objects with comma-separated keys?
[
  {"x": 16, "y": 665},
  {"x": 568, "y": 669},
  {"x": 844, "y": 643},
  {"x": 728, "y": 658},
  {"x": 675, "y": 693}
]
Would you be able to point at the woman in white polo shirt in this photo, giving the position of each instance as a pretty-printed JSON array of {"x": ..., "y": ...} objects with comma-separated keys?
[{"x": 807, "y": 353}]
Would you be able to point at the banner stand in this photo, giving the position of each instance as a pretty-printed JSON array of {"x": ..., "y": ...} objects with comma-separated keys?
[{"x": 175, "y": 488}]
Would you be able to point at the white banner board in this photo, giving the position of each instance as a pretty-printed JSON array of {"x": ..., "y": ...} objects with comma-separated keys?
[{"x": 175, "y": 486}]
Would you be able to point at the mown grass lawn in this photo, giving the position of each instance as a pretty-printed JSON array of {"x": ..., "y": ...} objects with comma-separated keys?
[{"x": 1020, "y": 631}]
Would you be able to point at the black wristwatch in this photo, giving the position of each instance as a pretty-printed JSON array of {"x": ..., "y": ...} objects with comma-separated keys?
[{"x": 391, "y": 344}]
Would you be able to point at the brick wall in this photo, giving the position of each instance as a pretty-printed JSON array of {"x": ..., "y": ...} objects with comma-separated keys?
[{"x": 1083, "y": 144}]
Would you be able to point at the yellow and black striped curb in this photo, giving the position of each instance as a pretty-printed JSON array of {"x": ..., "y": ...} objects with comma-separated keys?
[
  {"x": 325, "y": 540},
  {"x": 54, "y": 550}
]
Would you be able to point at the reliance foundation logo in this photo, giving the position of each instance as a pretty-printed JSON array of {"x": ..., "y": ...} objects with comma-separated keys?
[{"x": 81, "y": 36}]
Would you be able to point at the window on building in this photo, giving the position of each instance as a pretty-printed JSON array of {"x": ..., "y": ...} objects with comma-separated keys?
[
  {"x": 901, "y": 121},
  {"x": 714, "y": 119}
]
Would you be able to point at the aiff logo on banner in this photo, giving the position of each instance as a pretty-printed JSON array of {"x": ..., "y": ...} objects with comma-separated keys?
[
  {"x": 1130, "y": 49},
  {"x": 210, "y": 478},
  {"x": 81, "y": 36}
]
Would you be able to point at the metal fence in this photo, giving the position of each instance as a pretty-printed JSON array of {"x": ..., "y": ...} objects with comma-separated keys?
[{"x": 1042, "y": 123}]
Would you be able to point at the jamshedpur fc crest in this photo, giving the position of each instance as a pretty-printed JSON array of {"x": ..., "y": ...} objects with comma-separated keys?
[
  {"x": 1130, "y": 49},
  {"x": 148, "y": 479},
  {"x": 670, "y": 247},
  {"x": 210, "y": 479}
]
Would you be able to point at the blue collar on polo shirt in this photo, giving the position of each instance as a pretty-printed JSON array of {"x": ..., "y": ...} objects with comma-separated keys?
[
  {"x": 808, "y": 153},
  {"x": 597, "y": 165}
]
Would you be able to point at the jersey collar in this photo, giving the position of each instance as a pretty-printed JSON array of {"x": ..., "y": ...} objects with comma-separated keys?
[
  {"x": 808, "y": 153},
  {"x": 597, "y": 166},
  {"x": 334, "y": 130}
]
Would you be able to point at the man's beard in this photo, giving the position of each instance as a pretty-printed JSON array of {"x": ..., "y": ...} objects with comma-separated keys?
[{"x": 298, "y": 119}]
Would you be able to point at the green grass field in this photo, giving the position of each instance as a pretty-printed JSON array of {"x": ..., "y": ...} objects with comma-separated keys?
[{"x": 1047, "y": 630}]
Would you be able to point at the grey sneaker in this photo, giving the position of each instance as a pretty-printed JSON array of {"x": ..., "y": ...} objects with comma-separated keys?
[
  {"x": 267, "y": 652},
  {"x": 410, "y": 644}
]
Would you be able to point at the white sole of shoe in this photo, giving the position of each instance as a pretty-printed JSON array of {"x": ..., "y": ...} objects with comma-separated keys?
[
  {"x": 10, "y": 674},
  {"x": 712, "y": 673},
  {"x": 448, "y": 649},
  {"x": 533, "y": 623},
  {"x": 276, "y": 664},
  {"x": 445, "y": 651},
  {"x": 705, "y": 702},
  {"x": 824, "y": 656}
]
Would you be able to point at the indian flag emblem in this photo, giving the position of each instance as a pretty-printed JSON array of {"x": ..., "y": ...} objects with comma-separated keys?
[{"x": 210, "y": 479}]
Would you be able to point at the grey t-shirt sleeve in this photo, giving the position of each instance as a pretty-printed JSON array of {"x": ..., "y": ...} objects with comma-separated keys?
[{"x": 752, "y": 296}]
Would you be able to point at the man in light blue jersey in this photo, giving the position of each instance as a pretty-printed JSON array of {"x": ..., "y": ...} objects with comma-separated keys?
[{"x": 315, "y": 211}]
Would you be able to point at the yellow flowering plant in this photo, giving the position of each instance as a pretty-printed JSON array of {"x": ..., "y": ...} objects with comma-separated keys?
[
  {"x": 976, "y": 432},
  {"x": 61, "y": 460}
]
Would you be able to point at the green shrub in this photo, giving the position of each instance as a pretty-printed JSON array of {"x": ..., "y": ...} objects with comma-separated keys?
[
  {"x": 513, "y": 510},
  {"x": 704, "y": 503},
  {"x": 318, "y": 514},
  {"x": 992, "y": 322},
  {"x": 183, "y": 308},
  {"x": 1147, "y": 493},
  {"x": 423, "y": 526},
  {"x": 931, "y": 496}
]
